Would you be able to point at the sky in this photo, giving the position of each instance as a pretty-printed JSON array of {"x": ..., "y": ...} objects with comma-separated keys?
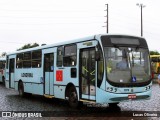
[{"x": 53, "y": 21}]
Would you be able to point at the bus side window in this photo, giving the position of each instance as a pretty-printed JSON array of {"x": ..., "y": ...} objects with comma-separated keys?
[
  {"x": 70, "y": 55},
  {"x": 19, "y": 60},
  {"x": 36, "y": 58},
  {"x": 59, "y": 56},
  {"x": 27, "y": 60}
]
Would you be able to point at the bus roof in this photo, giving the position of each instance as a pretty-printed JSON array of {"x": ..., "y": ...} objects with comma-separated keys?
[
  {"x": 69, "y": 42},
  {"x": 54, "y": 45}
]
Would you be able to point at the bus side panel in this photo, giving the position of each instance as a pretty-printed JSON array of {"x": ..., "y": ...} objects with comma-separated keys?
[
  {"x": 47, "y": 83},
  {"x": 7, "y": 78},
  {"x": 12, "y": 79},
  {"x": 33, "y": 75},
  {"x": 16, "y": 85},
  {"x": 66, "y": 76},
  {"x": 1, "y": 77},
  {"x": 33, "y": 88},
  {"x": 31, "y": 78},
  {"x": 60, "y": 83},
  {"x": 7, "y": 83},
  {"x": 51, "y": 84},
  {"x": 59, "y": 91}
]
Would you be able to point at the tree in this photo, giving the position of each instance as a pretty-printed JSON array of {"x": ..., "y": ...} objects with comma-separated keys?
[
  {"x": 3, "y": 54},
  {"x": 154, "y": 53},
  {"x": 26, "y": 46}
]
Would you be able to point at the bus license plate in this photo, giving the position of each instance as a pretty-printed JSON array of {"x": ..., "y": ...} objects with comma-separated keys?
[{"x": 133, "y": 96}]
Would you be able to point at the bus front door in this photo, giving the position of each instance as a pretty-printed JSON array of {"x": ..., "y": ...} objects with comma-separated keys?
[
  {"x": 87, "y": 74},
  {"x": 48, "y": 73},
  {"x": 11, "y": 72}
]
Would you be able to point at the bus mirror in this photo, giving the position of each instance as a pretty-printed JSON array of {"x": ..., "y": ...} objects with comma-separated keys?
[{"x": 97, "y": 55}]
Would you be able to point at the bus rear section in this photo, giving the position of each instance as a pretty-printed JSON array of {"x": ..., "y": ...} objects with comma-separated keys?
[{"x": 2, "y": 70}]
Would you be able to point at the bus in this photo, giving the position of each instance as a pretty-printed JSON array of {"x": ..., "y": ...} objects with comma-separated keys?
[
  {"x": 2, "y": 70},
  {"x": 83, "y": 70},
  {"x": 155, "y": 65}
]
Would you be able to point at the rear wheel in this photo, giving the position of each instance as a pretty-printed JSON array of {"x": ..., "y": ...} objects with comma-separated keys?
[
  {"x": 73, "y": 97},
  {"x": 21, "y": 89},
  {"x": 3, "y": 80}
]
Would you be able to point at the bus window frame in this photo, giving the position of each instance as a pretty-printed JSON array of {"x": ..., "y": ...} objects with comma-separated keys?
[
  {"x": 70, "y": 55},
  {"x": 30, "y": 60},
  {"x": 36, "y": 59},
  {"x": 60, "y": 56},
  {"x": 19, "y": 55}
]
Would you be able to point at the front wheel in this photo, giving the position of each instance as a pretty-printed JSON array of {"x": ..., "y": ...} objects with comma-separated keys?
[
  {"x": 73, "y": 97},
  {"x": 113, "y": 104},
  {"x": 113, "y": 107}
]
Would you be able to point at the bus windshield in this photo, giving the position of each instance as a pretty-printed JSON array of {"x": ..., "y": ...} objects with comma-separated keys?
[{"x": 127, "y": 64}]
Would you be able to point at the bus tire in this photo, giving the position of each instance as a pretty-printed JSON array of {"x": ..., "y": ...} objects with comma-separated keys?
[
  {"x": 113, "y": 104},
  {"x": 3, "y": 80},
  {"x": 21, "y": 89},
  {"x": 73, "y": 97},
  {"x": 113, "y": 107}
]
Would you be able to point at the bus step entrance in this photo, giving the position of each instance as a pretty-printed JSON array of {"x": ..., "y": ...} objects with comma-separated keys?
[
  {"x": 87, "y": 101},
  {"x": 48, "y": 96}
]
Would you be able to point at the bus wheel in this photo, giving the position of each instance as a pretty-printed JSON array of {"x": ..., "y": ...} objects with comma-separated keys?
[
  {"x": 3, "y": 81},
  {"x": 113, "y": 107},
  {"x": 73, "y": 98},
  {"x": 21, "y": 89},
  {"x": 113, "y": 104}
]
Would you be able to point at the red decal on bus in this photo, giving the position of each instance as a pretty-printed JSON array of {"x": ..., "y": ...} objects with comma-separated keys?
[{"x": 59, "y": 75}]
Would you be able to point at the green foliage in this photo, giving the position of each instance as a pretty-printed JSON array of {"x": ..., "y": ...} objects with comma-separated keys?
[
  {"x": 154, "y": 53},
  {"x": 3, "y": 54},
  {"x": 28, "y": 46}
]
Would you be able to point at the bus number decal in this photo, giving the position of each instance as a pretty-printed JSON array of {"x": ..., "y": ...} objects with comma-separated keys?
[
  {"x": 59, "y": 75},
  {"x": 26, "y": 74}
]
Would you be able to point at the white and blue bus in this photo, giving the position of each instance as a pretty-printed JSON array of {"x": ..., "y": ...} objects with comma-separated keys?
[
  {"x": 84, "y": 70},
  {"x": 2, "y": 70}
]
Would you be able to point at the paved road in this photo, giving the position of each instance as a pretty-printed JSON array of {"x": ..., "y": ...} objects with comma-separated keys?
[{"x": 10, "y": 101}]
